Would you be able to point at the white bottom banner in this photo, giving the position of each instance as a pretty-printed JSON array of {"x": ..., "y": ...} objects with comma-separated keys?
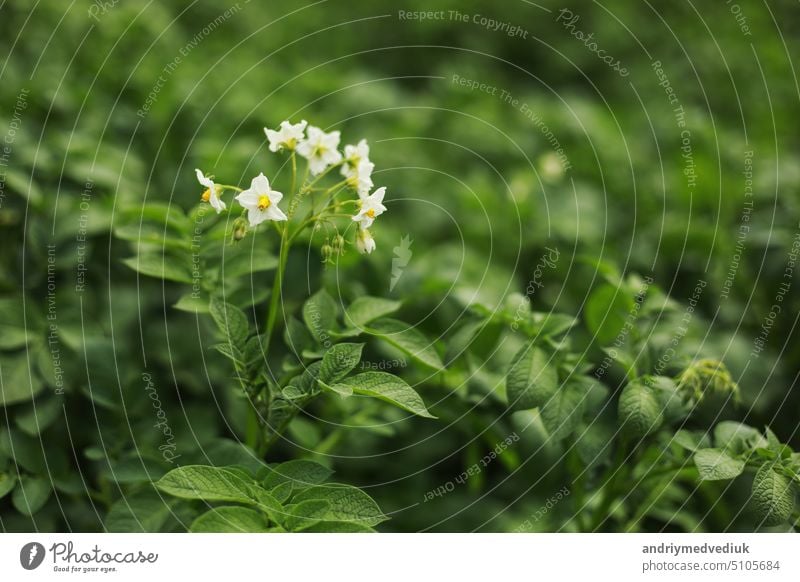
[{"x": 401, "y": 557}]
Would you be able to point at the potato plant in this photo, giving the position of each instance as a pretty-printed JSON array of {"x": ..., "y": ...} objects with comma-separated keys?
[{"x": 625, "y": 423}]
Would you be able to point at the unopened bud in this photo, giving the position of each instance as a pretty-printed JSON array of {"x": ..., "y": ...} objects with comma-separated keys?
[
  {"x": 239, "y": 229},
  {"x": 327, "y": 253}
]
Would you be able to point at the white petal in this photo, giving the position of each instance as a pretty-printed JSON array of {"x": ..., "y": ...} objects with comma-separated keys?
[
  {"x": 207, "y": 182},
  {"x": 260, "y": 184},
  {"x": 217, "y": 203},
  {"x": 378, "y": 195},
  {"x": 256, "y": 216},
  {"x": 275, "y": 213},
  {"x": 317, "y": 165},
  {"x": 248, "y": 198}
]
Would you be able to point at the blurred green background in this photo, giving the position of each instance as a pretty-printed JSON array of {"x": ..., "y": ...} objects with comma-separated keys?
[{"x": 131, "y": 97}]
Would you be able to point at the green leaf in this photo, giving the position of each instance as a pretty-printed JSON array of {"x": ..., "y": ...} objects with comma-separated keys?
[
  {"x": 141, "y": 512},
  {"x": 338, "y": 361},
  {"x": 773, "y": 496},
  {"x": 640, "y": 410},
  {"x": 7, "y": 483},
  {"x": 230, "y": 519},
  {"x": 319, "y": 315},
  {"x": 531, "y": 380},
  {"x": 13, "y": 331},
  {"x": 736, "y": 437},
  {"x": 193, "y": 303},
  {"x": 244, "y": 260},
  {"x": 366, "y": 309},
  {"x": 347, "y": 504},
  {"x": 562, "y": 413},
  {"x": 296, "y": 337},
  {"x": 606, "y": 312},
  {"x": 31, "y": 494},
  {"x": 337, "y": 527},
  {"x": 306, "y": 383},
  {"x": 300, "y": 472},
  {"x": 217, "y": 484},
  {"x": 408, "y": 339},
  {"x": 306, "y": 514},
  {"x": 170, "y": 216},
  {"x": 230, "y": 320},
  {"x": 386, "y": 387},
  {"x": 717, "y": 465},
  {"x": 691, "y": 440},
  {"x": 18, "y": 382},
  {"x": 42, "y": 413},
  {"x": 162, "y": 266}
]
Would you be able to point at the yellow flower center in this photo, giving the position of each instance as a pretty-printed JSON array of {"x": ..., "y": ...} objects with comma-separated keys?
[
  {"x": 371, "y": 213},
  {"x": 206, "y": 196},
  {"x": 264, "y": 202}
]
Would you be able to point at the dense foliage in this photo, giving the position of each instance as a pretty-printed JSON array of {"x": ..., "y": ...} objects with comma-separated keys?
[{"x": 578, "y": 315}]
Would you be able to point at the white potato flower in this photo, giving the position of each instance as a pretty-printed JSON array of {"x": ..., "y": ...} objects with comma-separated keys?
[
  {"x": 360, "y": 180},
  {"x": 261, "y": 201},
  {"x": 371, "y": 207},
  {"x": 287, "y": 137},
  {"x": 211, "y": 194},
  {"x": 353, "y": 156},
  {"x": 365, "y": 244},
  {"x": 319, "y": 148}
]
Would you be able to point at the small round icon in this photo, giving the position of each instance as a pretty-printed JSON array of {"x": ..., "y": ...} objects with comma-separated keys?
[{"x": 31, "y": 555}]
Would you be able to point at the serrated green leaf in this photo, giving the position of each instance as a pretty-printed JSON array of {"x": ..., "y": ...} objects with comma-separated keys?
[
  {"x": 773, "y": 496},
  {"x": 161, "y": 266},
  {"x": 386, "y": 387},
  {"x": 230, "y": 519},
  {"x": 640, "y": 411},
  {"x": 408, "y": 339},
  {"x": 717, "y": 465},
  {"x": 532, "y": 379},
  {"x": 339, "y": 361},
  {"x": 367, "y": 309},
  {"x": 347, "y": 504}
]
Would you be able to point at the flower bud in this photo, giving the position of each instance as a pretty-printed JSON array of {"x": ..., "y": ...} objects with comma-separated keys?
[
  {"x": 327, "y": 253},
  {"x": 239, "y": 229},
  {"x": 365, "y": 244}
]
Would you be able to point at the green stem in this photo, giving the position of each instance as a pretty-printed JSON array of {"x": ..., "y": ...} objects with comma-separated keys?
[
  {"x": 253, "y": 434},
  {"x": 607, "y": 490},
  {"x": 274, "y": 300}
]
